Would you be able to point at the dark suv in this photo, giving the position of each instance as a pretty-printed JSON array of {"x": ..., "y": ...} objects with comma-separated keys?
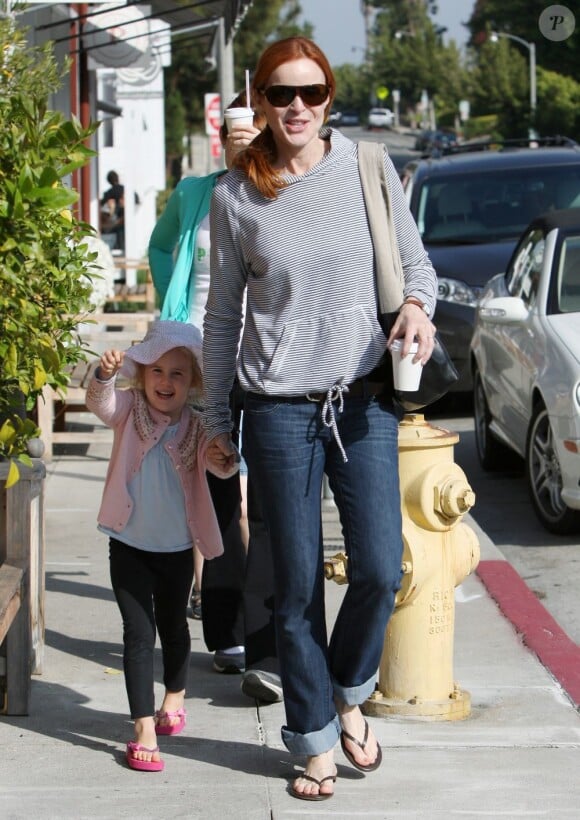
[{"x": 471, "y": 209}]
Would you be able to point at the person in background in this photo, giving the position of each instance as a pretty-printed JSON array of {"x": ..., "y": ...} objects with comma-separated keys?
[
  {"x": 157, "y": 473},
  {"x": 112, "y": 225},
  {"x": 291, "y": 240},
  {"x": 236, "y": 590}
]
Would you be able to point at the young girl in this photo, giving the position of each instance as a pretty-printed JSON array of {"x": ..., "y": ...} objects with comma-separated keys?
[
  {"x": 237, "y": 625},
  {"x": 156, "y": 505}
]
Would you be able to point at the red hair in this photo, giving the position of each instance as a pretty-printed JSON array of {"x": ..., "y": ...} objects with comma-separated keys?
[{"x": 258, "y": 158}]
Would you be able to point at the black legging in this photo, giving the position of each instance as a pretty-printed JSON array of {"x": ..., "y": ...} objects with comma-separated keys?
[{"x": 152, "y": 590}]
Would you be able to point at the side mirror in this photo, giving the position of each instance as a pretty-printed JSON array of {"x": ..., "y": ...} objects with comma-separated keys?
[{"x": 503, "y": 310}]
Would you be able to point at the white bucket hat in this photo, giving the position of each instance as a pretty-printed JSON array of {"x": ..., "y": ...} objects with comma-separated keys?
[{"x": 163, "y": 335}]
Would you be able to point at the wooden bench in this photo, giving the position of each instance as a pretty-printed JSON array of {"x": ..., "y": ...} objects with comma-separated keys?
[
  {"x": 136, "y": 294},
  {"x": 21, "y": 586},
  {"x": 109, "y": 330}
]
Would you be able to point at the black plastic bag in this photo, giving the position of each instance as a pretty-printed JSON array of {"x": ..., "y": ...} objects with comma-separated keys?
[{"x": 438, "y": 376}]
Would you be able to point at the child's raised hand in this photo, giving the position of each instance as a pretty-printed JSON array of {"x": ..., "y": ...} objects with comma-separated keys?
[{"x": 110, "y": 363}]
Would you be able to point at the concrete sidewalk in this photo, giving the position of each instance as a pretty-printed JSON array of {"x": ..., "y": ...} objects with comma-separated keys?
[{"x": 517, "y": 754}]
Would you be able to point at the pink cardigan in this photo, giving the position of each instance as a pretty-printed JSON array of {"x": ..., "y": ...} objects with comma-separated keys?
[{"x": 137, "y": 428}]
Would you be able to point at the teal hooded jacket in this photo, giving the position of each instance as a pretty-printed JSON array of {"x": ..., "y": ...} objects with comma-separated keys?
[{"x": 172, "y": 244}]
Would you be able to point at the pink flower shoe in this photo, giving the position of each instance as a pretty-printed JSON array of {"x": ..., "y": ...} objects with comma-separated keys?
[
  {"x": 142, "y": 765},
  {"x": 170, "y": 728}
]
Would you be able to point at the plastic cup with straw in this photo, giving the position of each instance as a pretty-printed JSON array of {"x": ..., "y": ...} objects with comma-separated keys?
[{"x": 243, "y": 115}]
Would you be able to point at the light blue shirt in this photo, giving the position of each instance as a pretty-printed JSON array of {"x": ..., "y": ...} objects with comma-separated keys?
[{"x": 158, "y": 522}]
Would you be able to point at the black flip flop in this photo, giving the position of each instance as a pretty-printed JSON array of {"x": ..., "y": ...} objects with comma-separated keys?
[
  {"x": 361, "y": 744},
  {"x": 319, "y": 783}
]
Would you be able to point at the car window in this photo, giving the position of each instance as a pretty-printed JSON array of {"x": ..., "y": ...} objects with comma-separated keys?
[
  {"x": 568, "y": 276},
  {"x": 524, "y": 274},
  {"x": 487, "y": 206}
]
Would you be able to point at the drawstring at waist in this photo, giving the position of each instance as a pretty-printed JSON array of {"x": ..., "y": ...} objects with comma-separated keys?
[
  {"x": 334, "y": 393},
  {"x": 360, "y": 388}
]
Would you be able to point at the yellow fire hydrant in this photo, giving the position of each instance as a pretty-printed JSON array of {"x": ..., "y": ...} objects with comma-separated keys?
[{"x": 439, "y": 551}]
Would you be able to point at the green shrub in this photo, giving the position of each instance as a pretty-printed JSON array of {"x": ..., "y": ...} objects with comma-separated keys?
[
  {"x": 484, "y": 126},
  {"x": 43, "y": 260}
]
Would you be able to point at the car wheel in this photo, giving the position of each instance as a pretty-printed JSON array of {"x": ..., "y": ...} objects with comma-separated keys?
[
  {"x": 490, "y": 451},
  {"x": 544, "y": 477}
]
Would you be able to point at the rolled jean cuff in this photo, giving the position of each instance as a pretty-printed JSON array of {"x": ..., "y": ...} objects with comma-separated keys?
[
  {"x": 355, "y": 695},
  {"x": 313, "y": 743}
]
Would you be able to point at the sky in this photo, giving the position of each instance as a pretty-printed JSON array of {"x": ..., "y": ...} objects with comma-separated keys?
[{"x": 339, "y": 25}]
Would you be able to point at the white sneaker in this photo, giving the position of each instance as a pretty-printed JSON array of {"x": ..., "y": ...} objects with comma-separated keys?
[{"x": 229, "y": 663}]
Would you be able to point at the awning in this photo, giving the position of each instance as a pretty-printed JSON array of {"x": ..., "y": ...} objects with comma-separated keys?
[
  {"x": 118, "y": 37},
  {"x": 116, "y": 32}
]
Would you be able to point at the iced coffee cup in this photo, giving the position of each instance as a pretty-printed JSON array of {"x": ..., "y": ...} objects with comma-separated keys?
[
  {"x": 238, "y": 118},
  {"x": 406, "y": 374}
]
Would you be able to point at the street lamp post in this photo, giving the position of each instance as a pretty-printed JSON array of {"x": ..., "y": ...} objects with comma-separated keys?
[{"x": 532, "y": 52}]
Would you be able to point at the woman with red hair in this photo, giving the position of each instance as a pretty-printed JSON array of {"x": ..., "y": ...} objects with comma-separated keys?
[{"x": 290, "y": 232}]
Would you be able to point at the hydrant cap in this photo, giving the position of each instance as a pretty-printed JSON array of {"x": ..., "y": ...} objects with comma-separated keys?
[{"x": 413, "y": 428}]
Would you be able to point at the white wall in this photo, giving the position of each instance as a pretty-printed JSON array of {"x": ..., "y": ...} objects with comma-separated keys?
[
  {"x": 137, "y": 154},
  {"x": 137, "y": 151}
]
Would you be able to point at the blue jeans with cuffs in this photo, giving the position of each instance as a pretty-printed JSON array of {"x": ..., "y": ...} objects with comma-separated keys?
[{"x": 288, "y": 449}]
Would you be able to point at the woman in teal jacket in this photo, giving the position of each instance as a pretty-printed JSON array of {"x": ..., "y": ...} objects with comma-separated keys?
[
  {"x": 178, "y": 227},
  {"x": 179, "y": 259}
]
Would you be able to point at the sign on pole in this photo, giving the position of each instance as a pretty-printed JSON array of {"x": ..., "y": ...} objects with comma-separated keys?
[
  {"x": 213, "y": 113},
  {"x": 215, "y": 147}
]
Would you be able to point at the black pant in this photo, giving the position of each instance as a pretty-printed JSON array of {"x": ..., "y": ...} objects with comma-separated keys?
[
  {"x": 222, "y": 582},
  {"x": 237, "y": 598},
  {"x": 152, "y": 591},
  {"x": 259, "y": 592}
]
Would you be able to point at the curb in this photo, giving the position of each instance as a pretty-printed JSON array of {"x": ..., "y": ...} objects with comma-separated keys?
[{"x": 539, "y": 630}]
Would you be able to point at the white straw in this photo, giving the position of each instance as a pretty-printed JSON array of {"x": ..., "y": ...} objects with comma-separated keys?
[{"x": 248, "y": 88}]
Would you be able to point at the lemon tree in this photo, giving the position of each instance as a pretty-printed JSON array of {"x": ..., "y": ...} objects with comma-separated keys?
[{"x": 43, "y": 260}]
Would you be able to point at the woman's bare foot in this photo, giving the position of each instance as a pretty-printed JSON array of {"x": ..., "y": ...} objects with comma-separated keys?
[
  {"x": 145, "y": 736},
  {"x": 172, "y": 702},
  {"x": 319, "y": 768},
  {"x": 364, "y": 753}
]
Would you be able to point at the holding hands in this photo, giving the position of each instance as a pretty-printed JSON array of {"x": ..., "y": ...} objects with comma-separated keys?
[
  {"x": 222, "y": 454},
  {"x": 110, "y": 363}
]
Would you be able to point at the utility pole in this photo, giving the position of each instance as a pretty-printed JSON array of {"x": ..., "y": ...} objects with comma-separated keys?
[
  {"x": 367, "y": 13},
  {"x": 225, "y": 65}
]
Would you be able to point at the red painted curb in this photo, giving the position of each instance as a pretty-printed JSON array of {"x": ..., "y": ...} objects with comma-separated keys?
[{"x": 540, "y": 632}]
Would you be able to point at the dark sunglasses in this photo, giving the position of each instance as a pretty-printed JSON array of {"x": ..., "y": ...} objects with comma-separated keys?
[{"x": 282, "y": 95}]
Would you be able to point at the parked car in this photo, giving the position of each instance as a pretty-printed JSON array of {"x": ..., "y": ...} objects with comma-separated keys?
[
  {"x": 422, "y": 139},
  {"x": 334, "y": 117},
  {"x": 525, "y": 358},
  {"x": 431, "y": 142},
  {"x": 349, "y": 118},
  {"x": 471, "y": 209},
  {"x": 442, "y": 142},
  {"x": 380, "y": 118}
]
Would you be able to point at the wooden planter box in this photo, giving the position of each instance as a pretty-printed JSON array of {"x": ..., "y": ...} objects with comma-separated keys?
[{"x": 21, "y": 586}]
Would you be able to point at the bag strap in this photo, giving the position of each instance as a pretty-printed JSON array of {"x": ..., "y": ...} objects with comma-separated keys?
[{"x": 375, "y": 188}]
